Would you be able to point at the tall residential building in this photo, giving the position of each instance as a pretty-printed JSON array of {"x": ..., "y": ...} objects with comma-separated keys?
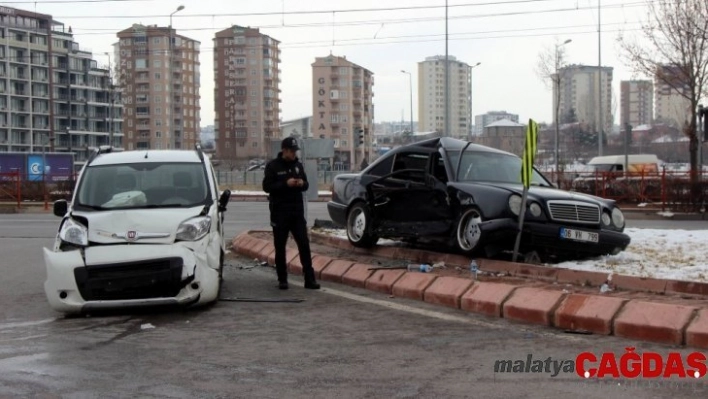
[
  {"x": 481, "y": 121},
  {"x": 431, "y": 96},
  {"x": 158, "y": 73},
  {"x": 343, "y": 109},
  {"x": 246, "y": 93},
  {"x": 671, "y": 106},
  {"x": 579, "y": 93},
  {"x": 636, "y": 101},
  {"x": 53, "y": 95}
]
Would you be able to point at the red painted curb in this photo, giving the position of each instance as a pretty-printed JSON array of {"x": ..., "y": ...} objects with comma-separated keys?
[
  {"x": 447, "y": 291},
  {"x": 487, "y": 298},
  {"x": 651, "y": 321},
  {"x": 532, "y": 305},
  {"x": 290, "y": 254},
  {"x": 383, "y": 280},
  {"x": 319, "y": 263},
  {"x": 335, "y": 270},
  {"x": 697, "y": 331},
  {"x": 588, "y": 312},
  {"x": 357, "y": 275},
  {"x": 413, "y": 285}
]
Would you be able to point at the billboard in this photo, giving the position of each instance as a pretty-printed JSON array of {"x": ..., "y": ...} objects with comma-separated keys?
[
  {"x": 33, "y": 166},
  {"x": 11, "y": 163}
]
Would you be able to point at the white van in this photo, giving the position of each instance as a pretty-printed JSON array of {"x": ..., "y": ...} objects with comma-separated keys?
[
  {"x": 636, "y": 164},
  {"x": 143, "y": 228}
]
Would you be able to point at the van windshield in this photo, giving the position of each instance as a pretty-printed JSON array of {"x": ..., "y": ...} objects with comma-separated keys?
[
  {"x": 603, "y": 168},
  {"x": 142, "y": 185}
]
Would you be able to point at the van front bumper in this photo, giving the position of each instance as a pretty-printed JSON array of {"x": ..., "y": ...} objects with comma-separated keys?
[{"x": 128, "y": 276}]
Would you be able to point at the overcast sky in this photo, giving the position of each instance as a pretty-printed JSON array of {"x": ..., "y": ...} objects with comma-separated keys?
[{"x": 505, "y": 36}]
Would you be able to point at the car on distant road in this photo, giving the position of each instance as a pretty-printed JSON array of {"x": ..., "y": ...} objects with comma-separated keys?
[
  {"x": 143, "y": 228},
  {"x": 468, "y": 197}
]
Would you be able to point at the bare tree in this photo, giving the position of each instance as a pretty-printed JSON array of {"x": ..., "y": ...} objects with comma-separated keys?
[
  {"x": 676, "y": 54},
  {"x": 550, "y": 61}
]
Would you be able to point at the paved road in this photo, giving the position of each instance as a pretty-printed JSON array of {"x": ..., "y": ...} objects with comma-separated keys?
[{"x": 339, "y": 342}]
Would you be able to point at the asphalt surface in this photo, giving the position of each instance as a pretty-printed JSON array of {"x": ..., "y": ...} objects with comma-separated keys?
[{"x": 338, "y": 342}]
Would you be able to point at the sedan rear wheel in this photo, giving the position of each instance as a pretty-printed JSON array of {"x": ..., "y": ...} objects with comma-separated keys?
[
  {"x": 358, "y": 227},
  {"x": 469, "y": 233}
]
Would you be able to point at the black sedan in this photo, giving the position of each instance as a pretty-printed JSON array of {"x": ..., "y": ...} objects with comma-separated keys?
[{"x": 426, "y": 192}]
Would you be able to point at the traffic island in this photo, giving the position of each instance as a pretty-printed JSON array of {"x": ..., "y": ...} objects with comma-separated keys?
[{"x": 663, "y": 311}]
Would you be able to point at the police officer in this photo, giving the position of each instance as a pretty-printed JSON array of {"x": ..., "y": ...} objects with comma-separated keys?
[{"x": 285, "y": 181}]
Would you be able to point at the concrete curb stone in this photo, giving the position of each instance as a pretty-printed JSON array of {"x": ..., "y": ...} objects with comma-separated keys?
[
  {"x": 592, "y": 313},
  {"x": 639, "y": 319},
  {"x": 487, "y": 298},
  {"x": 383, "y": 280},
  {"x": 532, "y": 305},
  {"x": 447, "y": 291},
  {"x": 413, "y": 285},
  {"x": 652, "y": 321}
]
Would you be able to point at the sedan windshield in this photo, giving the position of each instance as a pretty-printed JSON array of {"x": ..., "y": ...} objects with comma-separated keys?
[
  {"x": 142, "y": 185},
  {"x": 492, "y": 167}
]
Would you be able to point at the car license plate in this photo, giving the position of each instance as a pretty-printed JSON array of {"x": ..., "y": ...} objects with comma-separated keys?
[{"x": 579, "y": 235}]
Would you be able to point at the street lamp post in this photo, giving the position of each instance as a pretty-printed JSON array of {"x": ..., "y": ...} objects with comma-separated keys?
[
  {"x": 410, "y": 87},
  {"x": 557, "y": 136},
  {"x": 172, "y": 97},
  {"x": 471, "y": 116}
]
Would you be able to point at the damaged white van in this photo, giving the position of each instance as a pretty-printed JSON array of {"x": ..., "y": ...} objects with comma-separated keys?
[{"x": 144, "y": 228}]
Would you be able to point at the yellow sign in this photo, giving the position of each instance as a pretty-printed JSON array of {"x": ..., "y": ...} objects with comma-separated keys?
[{"x": 529, "y": 153}]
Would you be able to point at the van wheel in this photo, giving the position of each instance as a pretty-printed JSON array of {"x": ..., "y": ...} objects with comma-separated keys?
[{"x": 359, "y": 227}]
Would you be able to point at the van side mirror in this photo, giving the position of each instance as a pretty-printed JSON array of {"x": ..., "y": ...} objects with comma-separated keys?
[
  {"x": 60, "y": 207},
  {"x": 224, "y": 200}
]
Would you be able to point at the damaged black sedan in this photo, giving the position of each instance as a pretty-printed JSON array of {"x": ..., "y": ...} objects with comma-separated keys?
[{"x": 468, "y": 197}]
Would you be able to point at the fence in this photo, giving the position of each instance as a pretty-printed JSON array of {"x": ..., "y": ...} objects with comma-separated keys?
[
  {"x": 668, "y": 189},
  {"x": 255, "y": 177}
]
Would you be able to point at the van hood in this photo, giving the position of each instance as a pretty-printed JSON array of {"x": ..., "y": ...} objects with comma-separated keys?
[{"x": 136, "y": 226}]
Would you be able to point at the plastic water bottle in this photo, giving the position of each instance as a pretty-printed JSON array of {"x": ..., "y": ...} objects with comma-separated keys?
[
  {"x": 474, "y": 268},
  {"x": 423, "y": 268}
]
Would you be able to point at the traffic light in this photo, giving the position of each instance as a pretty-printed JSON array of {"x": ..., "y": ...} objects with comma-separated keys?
[{"x": 361, "y": 137}]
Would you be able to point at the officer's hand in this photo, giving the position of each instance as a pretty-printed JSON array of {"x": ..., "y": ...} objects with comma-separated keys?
[{"x": 292, "y": 182}]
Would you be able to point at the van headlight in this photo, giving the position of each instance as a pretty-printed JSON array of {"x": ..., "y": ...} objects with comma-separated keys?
[
  {"x": 515, "y": 204},
  {"x": 617, "y": 218},
  {"x": 194, "y": 229},
  {"x": 73, "y": 232}
]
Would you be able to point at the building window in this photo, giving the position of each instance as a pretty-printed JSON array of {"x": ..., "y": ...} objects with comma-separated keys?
[
  {"x": 157, "y": 75},
  {"x": 155, "y": 40},
  {"x": 158, "y": 134},
  {"x": 255, "y": 144},
  {"x": 141, "y": 63},
  {"x": 157, "y": 63}
]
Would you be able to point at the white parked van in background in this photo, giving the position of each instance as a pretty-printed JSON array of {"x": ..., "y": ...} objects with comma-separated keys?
[
  {"x": 143, "y": 228},
  {"x": 612, "y": 167}
]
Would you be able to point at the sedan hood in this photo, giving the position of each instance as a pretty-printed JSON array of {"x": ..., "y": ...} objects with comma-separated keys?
[
  {"x": 545, "y": 193},
  {"x": 142, "y": 226}
]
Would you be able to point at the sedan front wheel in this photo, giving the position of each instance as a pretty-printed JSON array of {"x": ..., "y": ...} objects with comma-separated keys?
[
  {"x": 469, "y": 234},
  {"x": 358, "y": 227}
]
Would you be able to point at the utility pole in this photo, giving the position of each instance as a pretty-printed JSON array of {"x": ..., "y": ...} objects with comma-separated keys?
[
  {"x": 447, "y": 79},
  {"x": 600, "y": 127}
]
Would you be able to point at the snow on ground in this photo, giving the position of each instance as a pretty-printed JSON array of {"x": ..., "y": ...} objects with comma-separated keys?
[{"x": 664, "y": 254}]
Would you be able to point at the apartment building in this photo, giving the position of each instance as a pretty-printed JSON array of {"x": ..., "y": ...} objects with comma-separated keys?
[
  {"x": 579, "y": 92},
  {"x": 246, "y": 93},
  {"x": 482, "y": 121},
  {"x": 158, "y": 73},
  {"x": 53, "y": 95},
  {"x": 636, "y": 102},
  {"x": 431, "y": 96},
  {"x": 671, "y": 106},
  {"x": 343, "y": 109}
]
